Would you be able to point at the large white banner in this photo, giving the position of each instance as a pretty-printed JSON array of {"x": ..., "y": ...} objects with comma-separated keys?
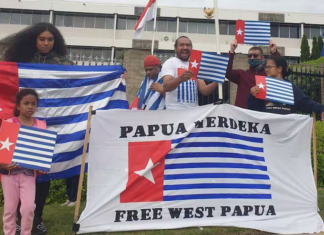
[{"x": 206, "y": 166}]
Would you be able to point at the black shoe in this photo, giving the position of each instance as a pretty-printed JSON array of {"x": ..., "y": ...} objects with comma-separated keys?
[
  {"x": 39, "y": 227},
  {"x": 18, "y": 227}
]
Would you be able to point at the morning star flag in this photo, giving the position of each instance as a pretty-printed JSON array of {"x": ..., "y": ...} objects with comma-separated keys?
[
  {"x": 252, "y": 32},
  {"x": 148, "y": 14},
  {"x": 30, "y": 147},
  {"x": 214, "y": 165},
  {"x": 208, "y": 65},
  {"x": 276, "y": 90},
  {"x": 66, "y": 92}
]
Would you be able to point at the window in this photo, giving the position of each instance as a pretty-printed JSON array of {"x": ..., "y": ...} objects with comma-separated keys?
[
  {"x": 183, "y": 26},
  {"x": 78, "y": 20},
  {"x": 231, "y": 28},
  {"x": 211, "y": 27},
  {"x": 285, "y": 30},
  {"x": 149, "y": 26},
  {"x": 126, "y": 23},
  {"x": 162, "y": 25},
  {"x": 8, "y": 16},
  {"x": 192, "y": 27},
  {"x": 172, "y": 25},
  {"x": 315, "y": 31},
  {"x": 227, "y": 27},
  {"x": 202, "y": 27}
]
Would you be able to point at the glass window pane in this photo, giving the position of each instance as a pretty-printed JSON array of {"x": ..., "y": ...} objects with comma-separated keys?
[
  {"x": 274, "y": 30},
  {"x": 68, "y": 20},
  {"x": 149, "y": 26},
  {"x": 26, "y": 18},
  {"x": 162, "y": 25},
  {"x": 172, "y": 26},
  {"x": 107, "y": 54},
  {"x": 4, "y": 17},
  {"x": 131, "y": 22},
  {"x": 211, "y": 27},
  {"x": 202, "y": 27},
  {"x": 307, "y": 31},
  {"x": 15, "y": 17},
  {"x": 294, "y": 31},
  {"x": 100, "y": 22},
  {"x": 89, "y": 22},
  {"x": 79, "y": 21},
  {"x": 284, "y": 31},
  {"x": 232, "y": 28},
  {"x": 87, "y": 52},
  {"x": 76, "y": 51},
  {"x": 223, "y": 26},
  {"x": 121, "y": 23},
  {"x": 192, "y": 26},
  {"x": 37, "y": 18},
  {"x": 183, "y": 26},
  {"x": 315, "y": 31},
  {"x": 45, "y": 17},
  {"x": 109, "y": 22},
  {"x": 96, "y": 52},
  {"x": 58, "y": 20}
]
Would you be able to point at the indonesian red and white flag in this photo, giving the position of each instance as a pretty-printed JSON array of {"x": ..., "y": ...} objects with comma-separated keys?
[{"x": 148, "y": 14}]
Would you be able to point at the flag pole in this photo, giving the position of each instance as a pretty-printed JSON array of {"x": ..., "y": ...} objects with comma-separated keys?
[
  {"x": 84, "y": 154},
  {"x": 314, "y": 149},
  {"x": 154, "y": 26},
  {"x": 220, "y": 86}
]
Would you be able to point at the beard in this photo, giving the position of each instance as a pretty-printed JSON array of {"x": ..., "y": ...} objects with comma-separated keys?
[{"x": 181, "y": 56}]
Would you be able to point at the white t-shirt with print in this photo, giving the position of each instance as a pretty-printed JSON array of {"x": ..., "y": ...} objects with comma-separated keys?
[{"x": 186, "y": 94}]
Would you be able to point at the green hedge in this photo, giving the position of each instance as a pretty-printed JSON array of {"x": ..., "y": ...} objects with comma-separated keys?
[{"x": 57, "y": 191}]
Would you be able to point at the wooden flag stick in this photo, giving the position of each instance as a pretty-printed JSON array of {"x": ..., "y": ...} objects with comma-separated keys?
[
  {"x": 314, "y": 149},
  {"x": 84, "y": 154}
]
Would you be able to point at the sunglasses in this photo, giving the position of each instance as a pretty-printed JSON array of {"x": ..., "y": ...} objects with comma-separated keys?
[{"x": 253, "y": 55}]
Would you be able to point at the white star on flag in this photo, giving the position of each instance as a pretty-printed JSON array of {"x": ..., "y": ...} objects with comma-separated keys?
[
  {"x": 261, "y": 86},
  {"x": 239, "y": 32},
  {"x": 147, "y": 172},
  {"x": 194, "y": 64},
  {"x": 6, "y": 144}
]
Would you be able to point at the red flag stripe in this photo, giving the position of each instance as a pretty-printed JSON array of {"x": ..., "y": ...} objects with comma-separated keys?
[
  {"x": 261, "y": 81},
  {"x": 240, "y": 26},
  {"x": 9, "y": 86},
  {"x": 195, "y": 57},
  {"x": 8, "y": 133}
]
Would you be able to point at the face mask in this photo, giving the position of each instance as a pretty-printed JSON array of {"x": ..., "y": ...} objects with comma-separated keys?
[{"x": 254, "y": 63}]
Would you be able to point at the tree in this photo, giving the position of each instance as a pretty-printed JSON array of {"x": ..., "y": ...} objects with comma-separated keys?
[
  {"x": 304, "y": 50},
  {"x": 315, "y": 55},
  {"x": 320, "y": 44}
]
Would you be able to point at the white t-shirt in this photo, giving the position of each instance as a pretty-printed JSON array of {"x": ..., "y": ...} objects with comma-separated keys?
[{"x": 186, "y": 94}]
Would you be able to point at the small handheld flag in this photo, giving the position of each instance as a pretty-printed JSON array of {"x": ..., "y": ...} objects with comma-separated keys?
[
  {"x": 208, "y": 66},
  {"x": 252, "y": 32},
  {"x": 30, "y": 147},
  {"x": 274, "y": 89}
]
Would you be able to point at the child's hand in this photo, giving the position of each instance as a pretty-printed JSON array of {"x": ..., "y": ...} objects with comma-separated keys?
[{"x": 10, "y": 167}]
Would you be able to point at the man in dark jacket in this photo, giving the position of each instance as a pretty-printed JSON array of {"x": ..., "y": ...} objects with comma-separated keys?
[{"x": 245, "y": 79}]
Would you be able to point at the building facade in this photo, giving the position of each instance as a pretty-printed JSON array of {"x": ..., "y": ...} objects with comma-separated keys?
[{"x": 104, "y": 31}]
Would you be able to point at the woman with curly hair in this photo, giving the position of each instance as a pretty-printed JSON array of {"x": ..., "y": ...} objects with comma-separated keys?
[{"x": 41, "y": 43}]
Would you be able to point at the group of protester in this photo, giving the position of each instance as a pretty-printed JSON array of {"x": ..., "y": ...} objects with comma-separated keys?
[{"x": 171, "y": 87}]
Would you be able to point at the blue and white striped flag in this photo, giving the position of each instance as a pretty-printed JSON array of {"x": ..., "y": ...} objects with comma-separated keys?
[
  {"x": 253, "y": 32},
  {"x": 66, "y": 92}
]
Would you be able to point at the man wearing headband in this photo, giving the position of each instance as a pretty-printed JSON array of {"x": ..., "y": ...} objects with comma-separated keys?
[{"x": 151, "y": 94}]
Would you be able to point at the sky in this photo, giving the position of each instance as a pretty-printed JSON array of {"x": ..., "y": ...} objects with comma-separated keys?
[{"x": 286, "y": 6}]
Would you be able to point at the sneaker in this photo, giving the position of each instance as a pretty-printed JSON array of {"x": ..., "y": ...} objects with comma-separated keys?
[
  {"x": 18, "y": 227},
  {"x": 66, "y": 203},
  {"x": 71, "y": 204},
  {"x": 39, "y": 227}
]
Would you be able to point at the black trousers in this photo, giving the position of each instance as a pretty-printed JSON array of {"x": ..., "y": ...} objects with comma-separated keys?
[
  {"x": 72, "y": 184},
  {"x": 42, "y": 190}
]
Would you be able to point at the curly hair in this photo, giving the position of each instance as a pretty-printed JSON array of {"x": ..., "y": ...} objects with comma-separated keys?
[
  {"x": 22, "y": 45},
  {"x": 21, "y": 94}
]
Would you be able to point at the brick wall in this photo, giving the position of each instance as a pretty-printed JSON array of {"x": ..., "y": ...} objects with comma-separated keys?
[
  {"x": 240, "y": 62},
  {"x": 133, "y": 63}
]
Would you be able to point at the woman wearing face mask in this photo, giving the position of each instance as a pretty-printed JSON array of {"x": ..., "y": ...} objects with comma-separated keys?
[
  {"x": 41, "y": 43},
  {"x": 277, "y": 67}
]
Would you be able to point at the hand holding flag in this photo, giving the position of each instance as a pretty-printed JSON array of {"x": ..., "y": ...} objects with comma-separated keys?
[{"x": 185, "y": 74}]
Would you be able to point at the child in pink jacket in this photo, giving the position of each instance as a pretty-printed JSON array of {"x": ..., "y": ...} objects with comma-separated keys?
[{"x": 18, "y": 184}]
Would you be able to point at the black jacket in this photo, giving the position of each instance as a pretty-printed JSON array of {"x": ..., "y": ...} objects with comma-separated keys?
[{"x": 302, "y": 103}]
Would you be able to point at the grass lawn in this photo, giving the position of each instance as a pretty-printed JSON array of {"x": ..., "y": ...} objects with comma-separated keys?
[{"x": 59, "y": 222}]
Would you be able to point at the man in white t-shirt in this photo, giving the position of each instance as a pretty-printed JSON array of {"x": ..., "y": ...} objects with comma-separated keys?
[{"x": 181, "y": 90}]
